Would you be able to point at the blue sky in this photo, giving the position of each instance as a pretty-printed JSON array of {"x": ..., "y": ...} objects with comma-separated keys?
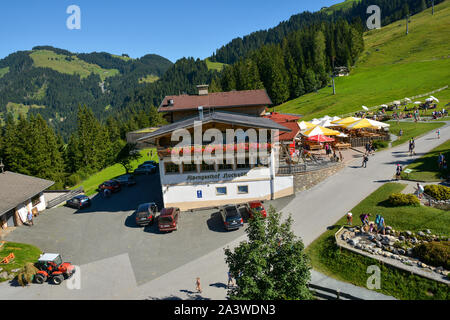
[{"x": 171, "y": 28}]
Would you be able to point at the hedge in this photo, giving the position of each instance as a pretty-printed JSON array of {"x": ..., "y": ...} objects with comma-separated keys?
[
  {"x": 436, "y": 254},
  {"x": 400, "y": 200},
  {"x": 438, "y": 192}
]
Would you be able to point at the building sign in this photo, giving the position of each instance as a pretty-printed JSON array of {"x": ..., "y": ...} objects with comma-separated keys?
[
  {"x": 199, "y": 194},
  {"x": 216, "y": 176}
]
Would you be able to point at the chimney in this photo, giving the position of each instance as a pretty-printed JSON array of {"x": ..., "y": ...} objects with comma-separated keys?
[
  {"x": 200, "y": 113},
  {"x": 170, "y": 102},
  {"x": 203, "y": 89}
]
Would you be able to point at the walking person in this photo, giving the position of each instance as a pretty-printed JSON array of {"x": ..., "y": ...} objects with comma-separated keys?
[
  {"x": 341, "y": 158},
  {"x": 438, "y": 133},
  {"x": 230, "y": 280},
  {"x": 198, "y": 286},
  {"x": 30, "y": 218},
  {"x": 441, "y": 160},
  {"x": 398, "y": 172},
  {"x": 365, "y": 159}
]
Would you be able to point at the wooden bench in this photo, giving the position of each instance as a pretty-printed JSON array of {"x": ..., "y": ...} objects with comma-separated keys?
[{"x": 342, "y": 146}]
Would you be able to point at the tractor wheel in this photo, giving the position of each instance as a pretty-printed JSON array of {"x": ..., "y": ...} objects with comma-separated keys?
[
  {"x": 40, "y": 278},
  {"x": 58, "y": 279}
]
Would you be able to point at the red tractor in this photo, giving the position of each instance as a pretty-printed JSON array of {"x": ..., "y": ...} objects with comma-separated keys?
[{"x": 50, "y": 266}]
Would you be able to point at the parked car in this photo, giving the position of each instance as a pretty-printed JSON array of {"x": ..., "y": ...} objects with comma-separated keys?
[
  {"x": 79, "y": 202},
  {"x": 168, "y": 219},
  {"x": 231, "y": 217},
  {"x": 111, "y": 185},
  {"x": 256, "y": 206},
  {"x": 146, "y": 213},
  {"x": 145, "y": 169},
  {"x": 153, "y": 163},
  {"x": 126, "y": 180}
]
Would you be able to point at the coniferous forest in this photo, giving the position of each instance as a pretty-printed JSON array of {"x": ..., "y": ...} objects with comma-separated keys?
[{"x": 82, "y": 123}]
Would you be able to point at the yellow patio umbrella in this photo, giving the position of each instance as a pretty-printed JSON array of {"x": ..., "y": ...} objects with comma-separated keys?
[
  {"x": 345, "y": 121},
  {"x": 363, "y": 123},
  {"x": 318, "y": 130},
  {"x": 305, "y": 125}
]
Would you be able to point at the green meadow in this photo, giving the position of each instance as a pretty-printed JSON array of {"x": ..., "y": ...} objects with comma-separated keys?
[
  {"x": 393, "y": 66},
  {"x": 58, "y": 62}
]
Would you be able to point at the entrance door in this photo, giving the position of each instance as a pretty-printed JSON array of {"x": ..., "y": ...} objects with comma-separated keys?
[{"x": 10, "y": 218}]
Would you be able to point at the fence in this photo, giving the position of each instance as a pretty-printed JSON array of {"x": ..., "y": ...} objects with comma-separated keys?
[
  {"x": 68, "y": 195},
  {"x": 362, "y": 141}
]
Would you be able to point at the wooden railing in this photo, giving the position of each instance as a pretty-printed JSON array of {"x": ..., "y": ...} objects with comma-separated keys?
[{"x": 69, "y": 195}]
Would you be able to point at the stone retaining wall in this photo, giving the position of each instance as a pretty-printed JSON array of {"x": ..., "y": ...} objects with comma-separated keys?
[{"x": 306, "y": 180}]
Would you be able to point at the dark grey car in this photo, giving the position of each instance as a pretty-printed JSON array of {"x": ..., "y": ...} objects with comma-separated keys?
[{"x": 231, "y": 217}]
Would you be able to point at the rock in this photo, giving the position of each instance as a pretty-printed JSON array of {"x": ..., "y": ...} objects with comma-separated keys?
[
  {"x": 352, "y": 242},
  {"x": 358, "y": 246},
  {"x": 420, "y": 233},
  {"x": 15, "y": 270},
  {"x": 401, "y": 251},
  {"x": 440, "y": 269},
  {"x": 11, "y": 276},
  {"x": 409, "y": 233},
  {"x": 351, "y": 229},
  {"x": 395, "y": 251},
  {"x": 389, "y": 228},
  {"x": 428, "y": 231},
  {"x": 378, "y": 244},
  {"x": 401, "y": 238},
  {"x": 414, "y": 240},
  {"x": 4, "y": 275},
  {"x": 370, "y": 238},
  {"x": 409, "y": 252}
]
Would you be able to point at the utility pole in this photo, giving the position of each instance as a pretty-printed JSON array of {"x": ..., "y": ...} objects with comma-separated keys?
[
  {"x": 407, "y": 21},
  {"x": 432, "y": 10},
  {"x": 332, "y": 76}
]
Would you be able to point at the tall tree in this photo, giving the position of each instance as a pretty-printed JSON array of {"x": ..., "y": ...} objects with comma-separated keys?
[{"x": 271, "y": 264}]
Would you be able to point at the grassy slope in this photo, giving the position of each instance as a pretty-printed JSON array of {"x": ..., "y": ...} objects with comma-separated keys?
[
  {"x": 57, "y": 62},
  {"x": 17, "y": 108},
  {"x": 411, "y": 129},
  {"x": 404, "y": 66},
  {"x": 149, "y": 79},
  {"x": 23, "y": 253},
  {"x": 350, "y": 267},
  {"x": 426, "y": 168},
  {"x": 339, "y": 6},
  {"x": 214, "y": 65},
  {"x": 4, "y": 71},
  {"x": 90, "y": 185}
]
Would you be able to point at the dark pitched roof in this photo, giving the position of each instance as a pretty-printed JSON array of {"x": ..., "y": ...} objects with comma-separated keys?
[
  {"x": 282, "y": 117},
  {"x": 16, "y": 188},
  {"x": 222, "y": 117},
  {"x": 287, "y": 120},
  {"x": 216, "y": 100}
]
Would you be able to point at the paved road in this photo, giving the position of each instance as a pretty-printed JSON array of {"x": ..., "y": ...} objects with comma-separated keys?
[{"x": 313, "y": 211}]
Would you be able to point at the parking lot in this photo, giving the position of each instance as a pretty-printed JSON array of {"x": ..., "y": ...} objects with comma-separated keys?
[{"x": 108, "y": 229}]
